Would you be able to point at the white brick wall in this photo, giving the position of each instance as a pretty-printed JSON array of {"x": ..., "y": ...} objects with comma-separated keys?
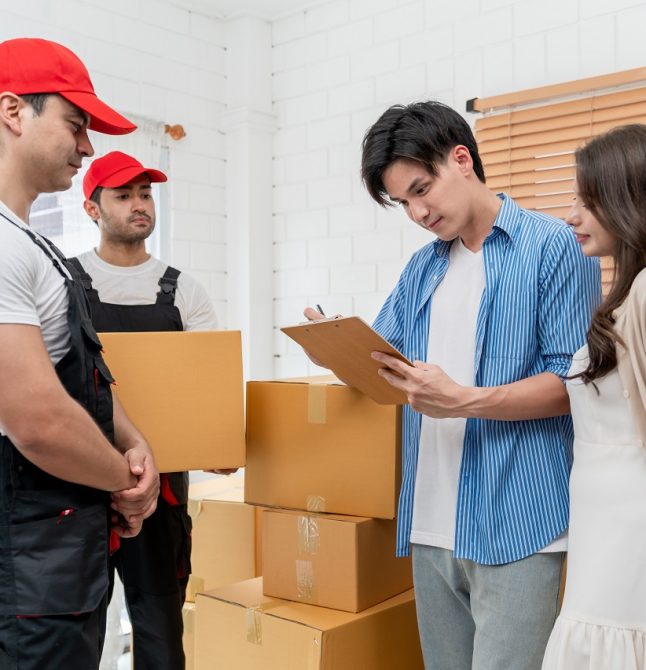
[
  {"x": 155, "y": 60},
  {"x": 336, "y": 66},
  {"x": 398, "y": 51}
]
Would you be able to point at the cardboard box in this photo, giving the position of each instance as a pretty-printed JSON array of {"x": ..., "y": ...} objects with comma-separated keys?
[
  {"x": 225, "y": 547},
  {"x": 322, "y": 447},
  {"x": 342, "y": 562},
  {"x": 238, "y": 628},
  {"x": 188, "y": 639},
  {"x": 184, "y": 392}
]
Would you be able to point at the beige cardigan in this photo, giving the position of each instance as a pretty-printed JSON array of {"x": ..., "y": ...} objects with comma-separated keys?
[{"x": 630, "y": 325}]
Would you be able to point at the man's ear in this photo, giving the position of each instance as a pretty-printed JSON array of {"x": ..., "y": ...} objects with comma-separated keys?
[
  {"x": 462, "y": 157},
  {"x": 11, "y": 107},
  {"x": 92, "y": 210}
]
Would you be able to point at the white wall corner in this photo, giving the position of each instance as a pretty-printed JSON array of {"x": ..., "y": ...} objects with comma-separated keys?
[{"x": 249, "y": 126}]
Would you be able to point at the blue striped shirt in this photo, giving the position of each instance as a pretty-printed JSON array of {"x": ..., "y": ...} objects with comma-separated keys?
[{"x": 540, "y": 292}]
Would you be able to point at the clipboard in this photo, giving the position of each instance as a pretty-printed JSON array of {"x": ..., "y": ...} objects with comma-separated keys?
[{"x": 344, "y": 346}]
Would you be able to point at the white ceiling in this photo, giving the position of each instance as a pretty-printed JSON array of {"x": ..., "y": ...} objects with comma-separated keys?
[{"x": 266, "y": 9}]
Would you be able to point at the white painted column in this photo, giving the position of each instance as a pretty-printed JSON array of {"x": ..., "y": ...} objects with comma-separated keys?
[{"x": 249, "y": 126}]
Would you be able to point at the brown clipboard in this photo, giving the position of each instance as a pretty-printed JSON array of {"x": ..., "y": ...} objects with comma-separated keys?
[{"x": 344, "y": 346}]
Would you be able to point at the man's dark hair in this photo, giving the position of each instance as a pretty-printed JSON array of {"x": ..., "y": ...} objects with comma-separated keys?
[
  {"x": 96, "y": 195},
  {"x": 37, "y": 101},
  {"x": 422, "y": 131}
]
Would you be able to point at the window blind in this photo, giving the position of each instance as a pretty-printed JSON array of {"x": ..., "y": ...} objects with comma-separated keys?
[{"x": 527, "y": 149}]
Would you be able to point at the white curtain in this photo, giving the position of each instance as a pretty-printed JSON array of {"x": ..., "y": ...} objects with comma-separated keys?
[{"x": 145, "y": 144}]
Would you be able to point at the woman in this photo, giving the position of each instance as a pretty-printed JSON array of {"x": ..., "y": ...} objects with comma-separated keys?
[{"x": 602, "y": 625}]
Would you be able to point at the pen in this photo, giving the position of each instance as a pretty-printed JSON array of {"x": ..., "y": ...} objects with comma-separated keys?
[{"x": 320, "y": 310}]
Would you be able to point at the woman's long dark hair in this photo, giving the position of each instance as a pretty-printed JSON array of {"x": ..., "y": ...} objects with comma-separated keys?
[{"x": 611, "y": 178}]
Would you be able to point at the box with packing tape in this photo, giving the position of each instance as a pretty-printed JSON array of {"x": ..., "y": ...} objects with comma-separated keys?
[
  {"x": 341, "y": 562},
  {"x": 238, "y": 628},
  {"x": 320, "y": 446},
  {"x": 226, "y": 535},
  {"x": 184, "y": 393}
]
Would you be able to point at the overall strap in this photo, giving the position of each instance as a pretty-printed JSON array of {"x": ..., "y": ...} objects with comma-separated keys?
[
  {"x": 168, "y": 286},
  {"x": 57, "y": 252},
  {"x": 83, "y": 276},
  {"x": 58, "y": 260}
]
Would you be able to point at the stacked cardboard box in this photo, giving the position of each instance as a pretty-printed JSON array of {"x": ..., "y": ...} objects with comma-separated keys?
[
  {"x": 226, "y": 546},
  {"x": 326, "y": 459},
  {"x": 342, "y": 562},
  {"x": 225, "y": 536},
  {"x": 239, "y": 628},
  {"x": 322, "y": 447}
]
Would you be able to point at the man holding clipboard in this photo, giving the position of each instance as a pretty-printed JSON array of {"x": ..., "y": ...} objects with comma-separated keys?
[{"x": 490, "y": 313}]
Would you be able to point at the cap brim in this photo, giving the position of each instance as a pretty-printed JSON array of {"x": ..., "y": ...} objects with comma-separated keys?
[
  {"x": 126, "y": 175},
  {"x": 103, "y": 119}
]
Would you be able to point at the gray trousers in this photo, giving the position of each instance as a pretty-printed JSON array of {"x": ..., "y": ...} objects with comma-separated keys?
[{"x": 485, "y": 617}]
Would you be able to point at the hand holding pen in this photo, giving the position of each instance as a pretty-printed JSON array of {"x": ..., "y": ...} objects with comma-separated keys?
[
  {"x": 318, "y": 314},
  {"x": 312, "y": 314}
]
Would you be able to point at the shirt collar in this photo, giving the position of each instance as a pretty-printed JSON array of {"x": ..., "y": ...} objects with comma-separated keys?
[
  {"x": 506, "y": 221},
  {"x": 508, "y": 216}
]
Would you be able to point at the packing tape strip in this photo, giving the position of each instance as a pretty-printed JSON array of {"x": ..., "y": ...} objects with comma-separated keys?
[
  {"x": 308, "y": 534},
  {"x": 305, "y": 581},
  {"x": 254, "y": 620},
  {"x": 315, "y": 504},
  {"x": 317, "y": 403},
  {"x": 254, "y": 624}
]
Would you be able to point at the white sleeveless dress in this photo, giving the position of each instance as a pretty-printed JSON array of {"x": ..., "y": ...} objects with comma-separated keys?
[{"x": 602, "y": 624}]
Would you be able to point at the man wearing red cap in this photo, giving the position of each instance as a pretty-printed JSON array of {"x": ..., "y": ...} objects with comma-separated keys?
[
  {"x": 59, "y": 469},
  {"x": 129, "y": 290}
]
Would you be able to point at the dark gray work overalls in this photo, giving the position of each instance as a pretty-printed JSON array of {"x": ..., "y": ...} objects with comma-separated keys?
[
  {"x": 154, "y": 566},
  {"x": 53, "y": 533}
]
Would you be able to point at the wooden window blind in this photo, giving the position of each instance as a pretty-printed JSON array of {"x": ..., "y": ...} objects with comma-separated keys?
[{"x": 527, "y": 149}]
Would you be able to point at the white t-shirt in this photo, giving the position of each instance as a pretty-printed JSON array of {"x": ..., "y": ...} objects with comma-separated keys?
[
  {"x": 32, "y": 291},
  {"x": 139, "y": 285},
  {"x": 451, "y": 345}
]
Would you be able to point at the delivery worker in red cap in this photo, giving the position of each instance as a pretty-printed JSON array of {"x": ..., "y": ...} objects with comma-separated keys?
[
  {"x": 59, "y": 469},
  {"x": 130, "y": 290}
]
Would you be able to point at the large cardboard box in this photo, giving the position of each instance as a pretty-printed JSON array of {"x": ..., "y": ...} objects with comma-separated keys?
[
  {"x": 342, "y": 562},
  {"x": 225, "y": 535},
  {"x": 184, "y": 392},
  {"x": 322, "y": 447},
  {"x": 237, "y": 628}
]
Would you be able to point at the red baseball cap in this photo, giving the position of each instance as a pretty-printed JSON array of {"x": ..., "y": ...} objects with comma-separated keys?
[
  {"x": 30, "y": 65},
  {"x": 116, "y": 169}
]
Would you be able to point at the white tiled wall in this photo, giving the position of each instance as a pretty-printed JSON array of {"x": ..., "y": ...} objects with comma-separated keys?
[
  {"x": 157, "y": 61},
  {"x": 337, "y": 67}
]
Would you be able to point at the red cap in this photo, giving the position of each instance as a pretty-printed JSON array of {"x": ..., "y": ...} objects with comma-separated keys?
[
  {"x": 116, "y": 169},
  {"x": 31, "y": 65}
]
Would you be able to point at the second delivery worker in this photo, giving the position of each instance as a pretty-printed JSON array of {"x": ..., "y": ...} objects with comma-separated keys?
[{"x": 130, "y": 290}]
